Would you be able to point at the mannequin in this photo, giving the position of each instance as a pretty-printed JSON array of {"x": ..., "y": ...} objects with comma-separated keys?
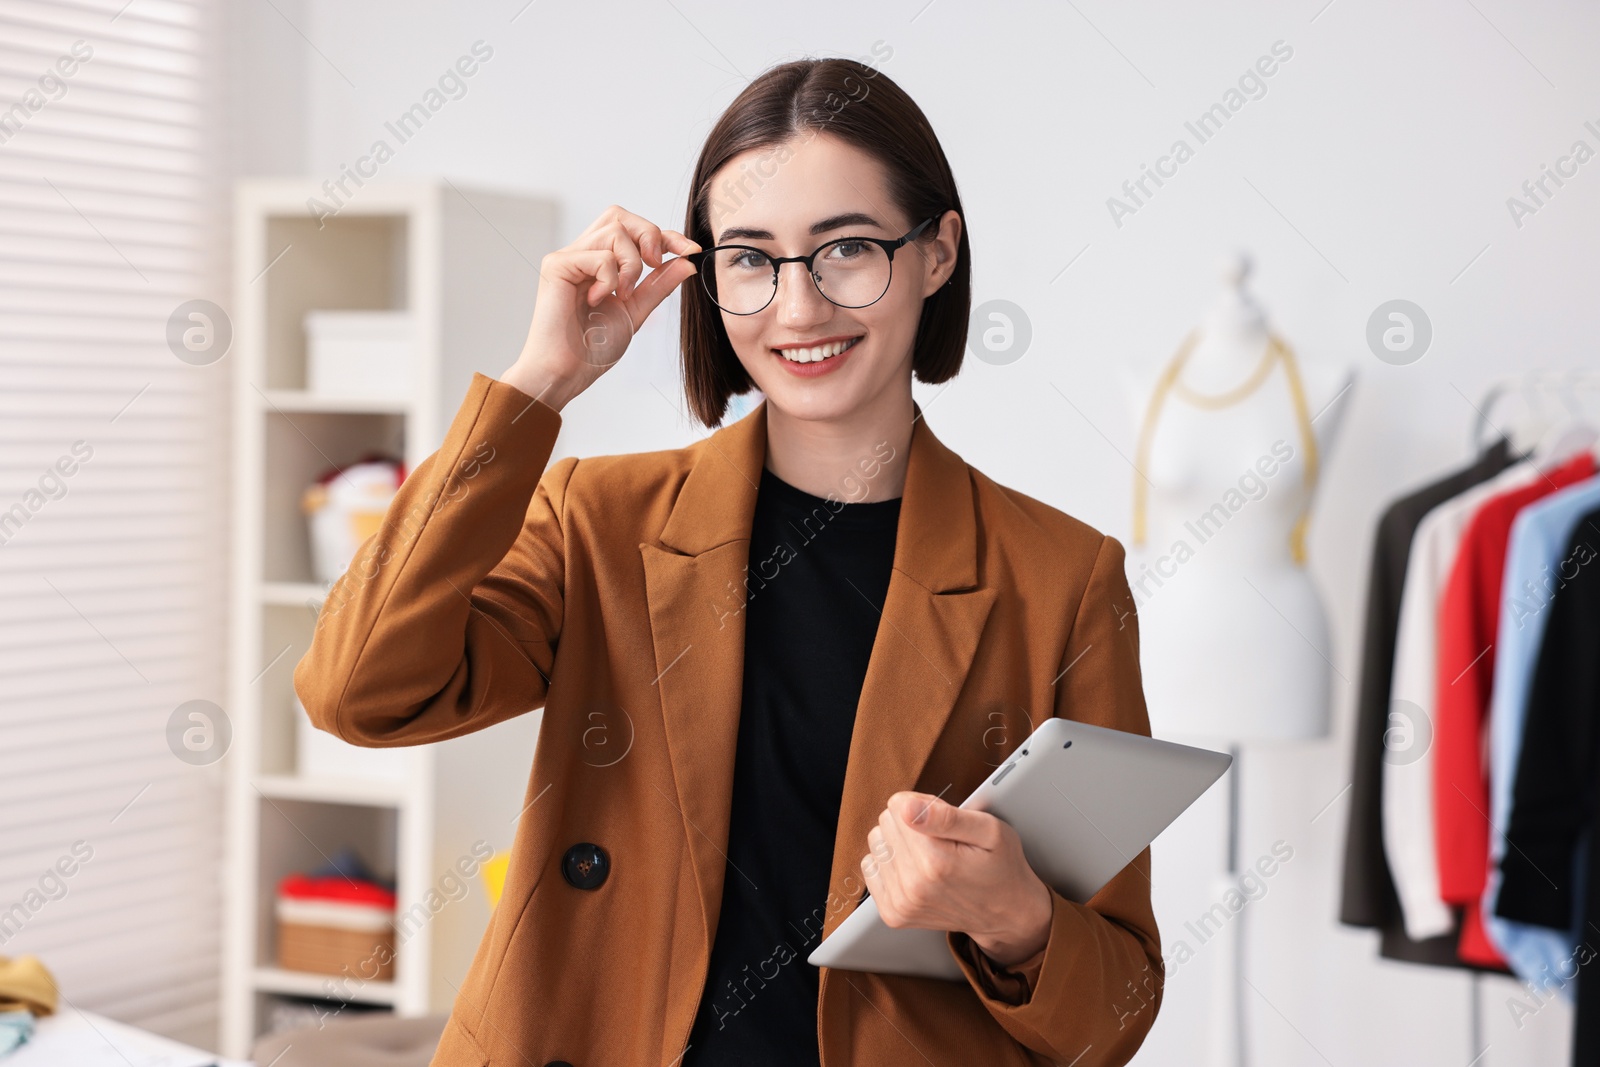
[
  {"x": 1234, "y": 431},
  {"x": 1226, "y": 469}
]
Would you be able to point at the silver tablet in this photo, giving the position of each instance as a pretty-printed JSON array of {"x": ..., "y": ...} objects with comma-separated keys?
[{"x": 1085, "y": 801}]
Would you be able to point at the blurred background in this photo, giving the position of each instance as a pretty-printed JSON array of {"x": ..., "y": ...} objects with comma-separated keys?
[{"x": 181, "y": 183}]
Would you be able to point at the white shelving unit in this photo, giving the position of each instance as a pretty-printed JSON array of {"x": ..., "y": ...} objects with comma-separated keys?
[{"x": 464, "y": 263}]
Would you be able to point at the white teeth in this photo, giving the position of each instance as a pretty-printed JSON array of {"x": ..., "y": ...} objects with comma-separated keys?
[{"x": 816, "y": 354}]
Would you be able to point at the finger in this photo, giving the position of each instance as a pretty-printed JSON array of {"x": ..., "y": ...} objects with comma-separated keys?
[
  {"x": 899, "y": 845},
  {"x": 885, "y": 864},
  {"x": 652, "y": 248},
  {"x": 607, "y": 271},
  {"x": 878, "y": 845},
  {"x": 592, "y": 272},
  {"x": 611, "y": 230},
  {"x": 678, "y": 243},
  {"x": 875, "y": 865},
  {"x": 924, "y": 856},
  {"x": 638, "y": 226},
  {"x": 872, "y": 862},
  {"x": 599, "y": 222},
  {"x": 652, "y": 238},
  {"x": 658, "y": 244},
  {"x": 632, "y": 237},
  {"x": 928, "y": 815},
  {"x": 651, "y": 244},
  {"x": 645, "y": 234},
  {"x": 654, "y": 289},
  {"x": 630, "y": 261},
  {"x": 912, "y": 886}
]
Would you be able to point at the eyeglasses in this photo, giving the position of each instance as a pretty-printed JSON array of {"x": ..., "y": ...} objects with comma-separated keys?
[{"x": 851, "y": 272}]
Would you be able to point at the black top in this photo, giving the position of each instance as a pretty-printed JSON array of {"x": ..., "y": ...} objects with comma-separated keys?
[
  {"x": 1546, "y": 878},
  {"x": 818, "y": 575},
  {"x": 1369, "y": 897}
]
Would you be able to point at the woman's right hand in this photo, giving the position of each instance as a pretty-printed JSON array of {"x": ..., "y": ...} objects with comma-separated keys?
[{"x": 591, "y": 302}]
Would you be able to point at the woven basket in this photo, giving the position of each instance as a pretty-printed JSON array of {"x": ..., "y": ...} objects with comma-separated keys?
[{"x": 365, "y": 954}]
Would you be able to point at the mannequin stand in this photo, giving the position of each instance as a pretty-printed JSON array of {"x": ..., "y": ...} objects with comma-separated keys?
[{"x": 1228, "y": 1046}]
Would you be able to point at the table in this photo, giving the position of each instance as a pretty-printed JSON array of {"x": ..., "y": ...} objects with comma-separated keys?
[{"x": 73, "y": 1038}]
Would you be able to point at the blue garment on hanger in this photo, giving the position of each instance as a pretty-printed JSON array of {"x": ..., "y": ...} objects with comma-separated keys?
[{"x": 1540, "y": 534}]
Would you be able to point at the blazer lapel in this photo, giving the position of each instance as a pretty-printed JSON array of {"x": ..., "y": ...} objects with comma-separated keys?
[
  {"x": 931, "y": 621},
  {"x": 933, "y": 616},
  {"x": 695, "y": 586}
]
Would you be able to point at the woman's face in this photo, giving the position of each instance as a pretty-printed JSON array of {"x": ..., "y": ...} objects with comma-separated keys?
[{"x": 787, "y": 201}]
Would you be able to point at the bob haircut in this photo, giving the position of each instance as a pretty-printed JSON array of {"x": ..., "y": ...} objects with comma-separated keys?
[{"x": 864, "y": 108}]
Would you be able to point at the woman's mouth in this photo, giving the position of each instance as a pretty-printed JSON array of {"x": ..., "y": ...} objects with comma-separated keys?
[{"x": 806, "y": 358}]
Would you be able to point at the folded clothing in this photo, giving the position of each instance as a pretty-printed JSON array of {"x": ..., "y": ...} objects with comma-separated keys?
[
  {"x": 15, "y": 1028},
  {"x": 335, "y": 900}
]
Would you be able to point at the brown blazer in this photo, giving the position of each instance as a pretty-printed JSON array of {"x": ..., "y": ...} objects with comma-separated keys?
[{"x": 614, "y": 586}]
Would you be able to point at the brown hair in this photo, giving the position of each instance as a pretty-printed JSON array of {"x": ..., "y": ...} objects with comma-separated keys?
[{"x": 864, "y": 108}]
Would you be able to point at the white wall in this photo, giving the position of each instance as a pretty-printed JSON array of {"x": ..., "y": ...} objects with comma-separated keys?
[{"x": 1376, "y": 166}]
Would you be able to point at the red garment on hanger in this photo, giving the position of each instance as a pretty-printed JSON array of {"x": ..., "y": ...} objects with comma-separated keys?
[{"x": 1469, "y": 618}]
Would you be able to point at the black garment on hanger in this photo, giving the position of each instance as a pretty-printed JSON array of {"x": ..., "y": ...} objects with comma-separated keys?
[
  {"x": 1553, "y": 802},
  {"x": 1369, "y": 897}
]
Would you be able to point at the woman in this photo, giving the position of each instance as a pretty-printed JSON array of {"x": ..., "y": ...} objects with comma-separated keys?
[{"x": 770, "y": 662}]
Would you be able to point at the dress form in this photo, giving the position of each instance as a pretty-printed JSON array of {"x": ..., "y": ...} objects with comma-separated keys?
[
  {"x": 1233, "y": 637},
  {"x": 1233, "y": 634}
]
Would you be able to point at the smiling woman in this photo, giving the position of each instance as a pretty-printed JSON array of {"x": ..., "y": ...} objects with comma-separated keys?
[
  {"x": 825, "y": 176},
  {"x": 658, "y": 908}
]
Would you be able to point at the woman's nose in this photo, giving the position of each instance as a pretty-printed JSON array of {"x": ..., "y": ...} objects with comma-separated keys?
[{"x": 798, "y": 298}]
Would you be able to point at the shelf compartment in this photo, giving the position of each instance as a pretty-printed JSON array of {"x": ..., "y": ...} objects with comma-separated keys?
[
  {"x": 302, "y": 447},
  {"x": 299, "y": 835},
  {"x": 350, "y": 263}
]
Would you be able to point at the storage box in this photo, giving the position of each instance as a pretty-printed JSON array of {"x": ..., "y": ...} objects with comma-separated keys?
[
  {"x": 319, "y": 754},
  {"x": 343, "y": 928},
  {"x": 360, "y": 354},
  {"x": 368, "y": 956}
]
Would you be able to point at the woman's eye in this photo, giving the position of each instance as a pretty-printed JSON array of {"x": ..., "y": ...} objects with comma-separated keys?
[
  {"x": 748, "y": 259},
  {"x": 846, "y": 250}
]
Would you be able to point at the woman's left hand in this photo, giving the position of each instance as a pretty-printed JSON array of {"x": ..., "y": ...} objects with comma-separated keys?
[{"x": 935, "y": 866}]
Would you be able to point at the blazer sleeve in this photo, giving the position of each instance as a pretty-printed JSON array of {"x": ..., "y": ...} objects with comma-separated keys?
[
  {"x": 447, "y": 620},
  {"x": 1093, "y": 995}
]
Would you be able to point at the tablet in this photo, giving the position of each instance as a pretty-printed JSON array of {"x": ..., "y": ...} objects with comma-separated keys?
[{"x": 1085, "y": 801}]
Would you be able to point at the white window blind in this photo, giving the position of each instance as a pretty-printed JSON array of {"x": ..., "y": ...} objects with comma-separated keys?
[{"x": 112, "y": 505}]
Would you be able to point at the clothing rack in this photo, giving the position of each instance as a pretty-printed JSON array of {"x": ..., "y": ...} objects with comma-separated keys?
[
  {"x": 1549, "y": 418},
  {"x": 1528, "y": 385}
]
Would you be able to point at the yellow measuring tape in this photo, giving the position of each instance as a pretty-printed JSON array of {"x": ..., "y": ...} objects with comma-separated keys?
[{"x": 1277, "y": 352}]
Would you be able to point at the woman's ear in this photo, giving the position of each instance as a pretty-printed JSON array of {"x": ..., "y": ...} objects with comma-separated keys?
[{"x": 946, "y": 248}]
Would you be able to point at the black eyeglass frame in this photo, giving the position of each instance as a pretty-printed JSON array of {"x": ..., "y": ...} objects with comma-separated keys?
[{"x": 888, "y": 245}]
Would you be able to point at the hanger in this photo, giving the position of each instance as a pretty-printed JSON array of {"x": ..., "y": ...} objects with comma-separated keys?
[
  {"x": 1564, "y": 440},
  {"x": 1546, "y": 440}
]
